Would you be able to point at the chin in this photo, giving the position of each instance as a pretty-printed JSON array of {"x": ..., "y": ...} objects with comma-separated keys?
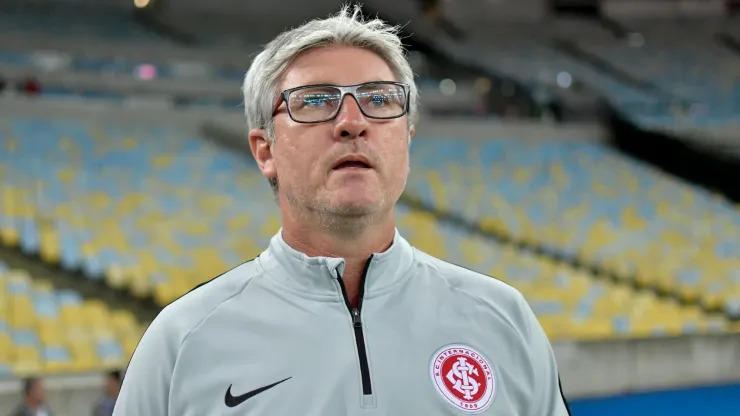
[
  {"x": 354, "y": 205},
  {"x": 353, "y": 211}
]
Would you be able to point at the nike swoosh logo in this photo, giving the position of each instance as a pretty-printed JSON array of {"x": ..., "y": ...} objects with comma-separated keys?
[{"x": 233, "y": 401}]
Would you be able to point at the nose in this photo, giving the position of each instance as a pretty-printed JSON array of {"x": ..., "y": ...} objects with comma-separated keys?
[{"x": 350, "y": 123}]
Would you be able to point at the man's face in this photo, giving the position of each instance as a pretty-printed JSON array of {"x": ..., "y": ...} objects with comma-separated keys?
[
  {"x": 112, "y": 386},
  {"x": 38, "y": 392},
  {"x": 305, "y": 156}
]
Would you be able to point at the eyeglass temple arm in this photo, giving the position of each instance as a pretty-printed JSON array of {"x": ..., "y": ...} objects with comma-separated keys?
[{"x": 278, "y": 103}]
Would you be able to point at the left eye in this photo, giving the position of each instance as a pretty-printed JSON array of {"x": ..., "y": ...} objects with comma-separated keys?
[{"x": 378, "y": 99}]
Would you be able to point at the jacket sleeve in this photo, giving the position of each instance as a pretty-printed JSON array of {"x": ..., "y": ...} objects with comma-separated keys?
[
  {"x": 146, "y": 384},
  {"x": 548, "y": 399}
]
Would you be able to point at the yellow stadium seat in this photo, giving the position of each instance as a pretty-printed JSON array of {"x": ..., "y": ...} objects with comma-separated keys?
[
  {"x": 52, "y": 333},
  {"x": 6, "y": 348},
  {"x": 123, "y": 321},
  {"x": 49, "y": 246},
  {"x": 493, "y": 225},
  {"x": 77, "y": 334},
  {"x": 55, "y": 367},
  {"x": 592, "y": 329},
  {"x": 95, "y": 313},
  {"x": 28, "y": 368},
  {"x": 102, "y": 333},
  {"x": 71, "y": 315},
  {"x": 116, "y": 277},
  {"x": 270, "y": 226},
  {"x": 43, "y": 286},
  {"x": 689, "y": 294},
  {"x": 437, "y": 184},
  {"x": 129, "y": 345},
  {"x": 631, "y": 220},
  {"x": 208, "y": 261},
  {"x": 26, "y": 354},
  {"x": 66, "y": 175},
  {"x": 85, "y": 358},
  {"x": 9, "y": 236},
  {"x": 556, "y": 327},
  {"x": 162, "y": 161},
  {"x": 140, "y": 285},
  {"x": 21, "y": 311},
  {"x": 165, "y": 292}
]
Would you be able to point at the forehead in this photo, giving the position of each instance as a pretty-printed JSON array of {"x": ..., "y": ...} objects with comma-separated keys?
[{"x": 336, "y": 65}]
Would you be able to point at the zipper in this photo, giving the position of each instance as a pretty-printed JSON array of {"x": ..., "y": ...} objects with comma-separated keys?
[{"x": 356, "y": 314}]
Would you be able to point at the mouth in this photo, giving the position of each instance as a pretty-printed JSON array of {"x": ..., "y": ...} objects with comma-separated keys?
[{"x": 352, "y": 162}]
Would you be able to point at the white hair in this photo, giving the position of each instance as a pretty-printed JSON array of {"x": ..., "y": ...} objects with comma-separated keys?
[{"x": 346, "y": 28}]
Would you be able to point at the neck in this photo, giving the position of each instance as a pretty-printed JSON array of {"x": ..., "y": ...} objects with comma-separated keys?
[{"x": 355, "y": 244}]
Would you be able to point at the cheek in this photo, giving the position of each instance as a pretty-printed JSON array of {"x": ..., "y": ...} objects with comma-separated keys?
[
  {"x": 397, "y": 157},
  {"x": 298, "y": 162}
]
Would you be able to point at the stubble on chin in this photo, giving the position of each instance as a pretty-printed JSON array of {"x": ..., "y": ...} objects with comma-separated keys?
[{"x": 340, "y": 218}]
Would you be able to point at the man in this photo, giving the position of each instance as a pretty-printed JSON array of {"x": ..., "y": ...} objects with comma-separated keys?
[
  {"x": 105, "y": 405},
  {"x": 340, "y": 315},
  {"x": 34, "y": 399}
]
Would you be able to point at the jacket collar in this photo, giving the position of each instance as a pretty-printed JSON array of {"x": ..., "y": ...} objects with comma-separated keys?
[{"x": 318, "y": 275}]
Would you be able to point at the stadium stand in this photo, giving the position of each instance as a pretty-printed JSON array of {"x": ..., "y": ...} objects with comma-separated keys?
[
  {"x": 73, "y": 23},
  {"x": 683, "y": 57},
  {"x": 531, "y": 57},
  {"x": 48, "y": 331},
  {"x": 584, "y": 201},
  {"x": 151, "y": 215},
  {"x": 571, "y": 303},
  {"x": 127, "y": 204}
]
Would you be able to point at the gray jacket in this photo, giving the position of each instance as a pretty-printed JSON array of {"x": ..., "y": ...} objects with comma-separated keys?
[{"x": 277, "y": 336}]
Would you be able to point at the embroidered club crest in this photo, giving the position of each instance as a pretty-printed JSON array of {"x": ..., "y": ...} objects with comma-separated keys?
[{"x": 464, "y": 377}]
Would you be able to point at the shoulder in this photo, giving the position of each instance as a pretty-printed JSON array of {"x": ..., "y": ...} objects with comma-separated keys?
[
  {"x": 469, "y": 281},
  {"x": 183, "y": 315},
  {"x": 494, "y": 294}
]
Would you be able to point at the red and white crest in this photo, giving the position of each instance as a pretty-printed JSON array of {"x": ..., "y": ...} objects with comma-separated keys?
[{"x": 464, "y": 377}]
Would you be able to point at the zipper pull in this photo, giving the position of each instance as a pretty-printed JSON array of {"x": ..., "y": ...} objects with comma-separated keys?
[{"x": 356, "y": 322}]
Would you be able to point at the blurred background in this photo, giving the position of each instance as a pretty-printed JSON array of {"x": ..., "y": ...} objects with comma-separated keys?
[{"x": 587, "y": 152}]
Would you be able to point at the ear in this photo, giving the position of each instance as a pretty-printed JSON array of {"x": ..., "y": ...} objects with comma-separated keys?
[
  {"x": 262, "y": 152},
  {"x": 412, "y": 130}
]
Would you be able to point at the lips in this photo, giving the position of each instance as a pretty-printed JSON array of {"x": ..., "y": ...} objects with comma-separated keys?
[{"x": 352, "y": 162}]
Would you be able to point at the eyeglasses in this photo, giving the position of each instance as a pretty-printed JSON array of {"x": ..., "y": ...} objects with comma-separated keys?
[{"x": 320, "y": 103}]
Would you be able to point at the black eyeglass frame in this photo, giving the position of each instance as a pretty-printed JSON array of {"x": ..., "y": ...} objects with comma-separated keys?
[{"x": 344, "y": 90}]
